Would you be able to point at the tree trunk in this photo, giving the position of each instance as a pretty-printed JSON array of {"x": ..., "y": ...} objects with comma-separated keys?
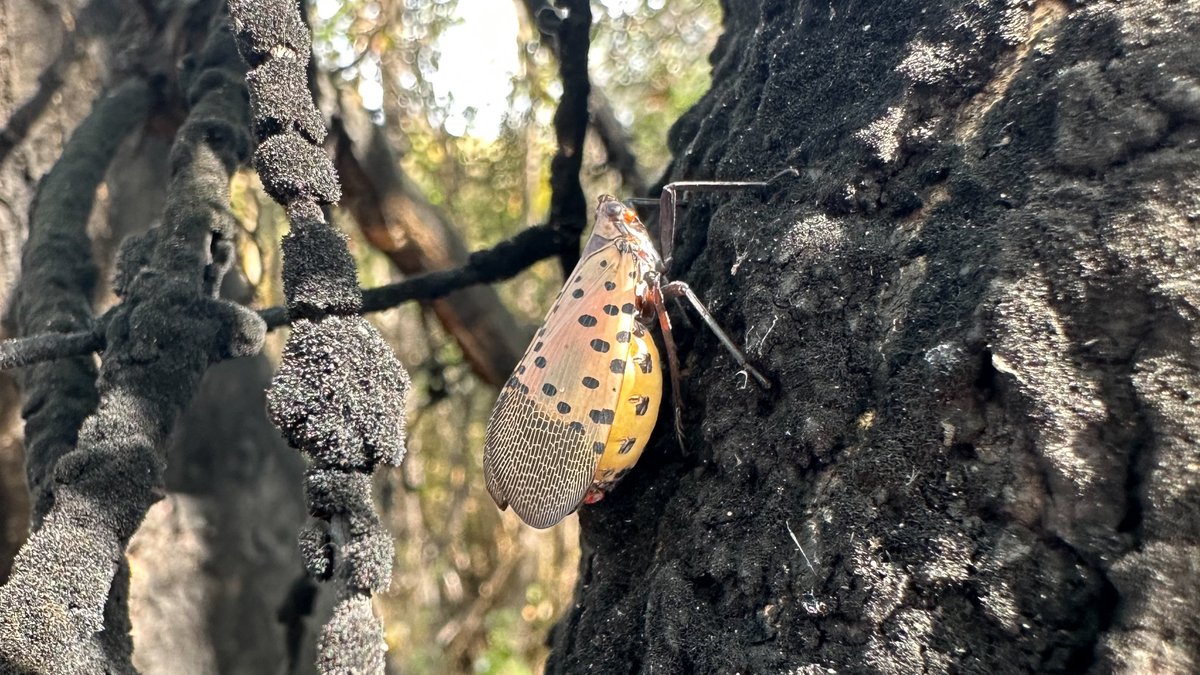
[{"x": 978, "y": 303}]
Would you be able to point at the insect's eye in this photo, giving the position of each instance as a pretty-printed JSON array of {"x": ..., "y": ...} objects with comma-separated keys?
[{"x": 614, "y": 209}]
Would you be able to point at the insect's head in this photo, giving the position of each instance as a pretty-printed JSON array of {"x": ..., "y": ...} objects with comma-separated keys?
[{"x": 614, "y": 219}]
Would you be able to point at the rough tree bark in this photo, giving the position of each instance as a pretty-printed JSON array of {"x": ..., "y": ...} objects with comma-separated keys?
[{"x": 979, "y": 303}]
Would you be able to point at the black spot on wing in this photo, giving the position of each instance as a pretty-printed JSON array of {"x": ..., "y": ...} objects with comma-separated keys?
[
  {"x": 549, "y": 389},
  {"x": 563, "y": 407},
  {"x": 623, "y": 336},
  {"x": 605, "y": 416},
  {"x": 538, "y": 347},
  {"x": 611, "y": 310},
  {"x": 598, "y": 448},
  {"x": 591, "y": 382},
  {"x": 628, "y": 308},
  {"x": 617, "y": 366},
  {"x": 577, "y": 293},
  {"x": 600, "y": 345},
  {"x": 610, "y": 286},
  {"x": 587, "y": 320},
  {"x": 575, "y": 427},
  {"x": 540, "y": 362}
]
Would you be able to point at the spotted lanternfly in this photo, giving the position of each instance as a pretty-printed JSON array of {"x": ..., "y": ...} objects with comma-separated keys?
[{"x": 576, "y": 414}]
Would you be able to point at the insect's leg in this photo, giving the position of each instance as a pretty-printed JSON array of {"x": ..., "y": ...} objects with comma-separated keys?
[
  {"x": 668, "y": 202},
  {"x": 677, "y": 289},
  {"x": 682, "y": 312},
  {"x": 664, "y": 322}
]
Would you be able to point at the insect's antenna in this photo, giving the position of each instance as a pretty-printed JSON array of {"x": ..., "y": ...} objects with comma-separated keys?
[
  {"x": 681, "y": 289},
  {"x": 641, "y": 201}
]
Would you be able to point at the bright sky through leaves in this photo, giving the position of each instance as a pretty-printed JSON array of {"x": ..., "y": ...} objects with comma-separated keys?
[{"x": 477, "y": 62}]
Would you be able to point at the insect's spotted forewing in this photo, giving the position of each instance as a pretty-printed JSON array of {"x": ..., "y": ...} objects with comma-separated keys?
[{"x": 554, "y": 418}]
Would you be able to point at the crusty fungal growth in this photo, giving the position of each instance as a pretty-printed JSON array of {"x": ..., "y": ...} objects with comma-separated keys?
[
  {"x": 339, "y": 394},
  {"x": 54, "y": 291},
  {"x": 62, "y": 610},
  {"x": 339, "y": 402},
  {"x": 57, "y": 284}
]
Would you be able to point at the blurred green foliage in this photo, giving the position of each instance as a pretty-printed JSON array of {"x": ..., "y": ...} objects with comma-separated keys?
[{"x": 475, "y": 590}]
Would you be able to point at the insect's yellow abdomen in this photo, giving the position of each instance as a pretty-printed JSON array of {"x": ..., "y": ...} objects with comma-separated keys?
[{"x": 636, "y": 414}]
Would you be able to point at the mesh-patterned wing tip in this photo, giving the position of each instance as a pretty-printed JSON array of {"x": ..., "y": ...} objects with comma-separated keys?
[
  {"x": 537, "y": 505},
  {"x": 542, "y": 516}
]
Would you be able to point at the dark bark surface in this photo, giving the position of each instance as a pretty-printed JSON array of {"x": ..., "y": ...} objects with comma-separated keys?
[{"x": 978, "y": 302}]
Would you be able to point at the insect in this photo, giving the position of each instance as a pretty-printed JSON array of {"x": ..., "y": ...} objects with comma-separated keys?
[{"x": 576, "y": 414}]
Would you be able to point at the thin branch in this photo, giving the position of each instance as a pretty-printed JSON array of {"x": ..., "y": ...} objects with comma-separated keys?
[
  {"x": 568, "y": 205},
  {"x": 47, "y": 347},
  {"x": 503, "y": 261},
  {"x": 617, "y": 145}
]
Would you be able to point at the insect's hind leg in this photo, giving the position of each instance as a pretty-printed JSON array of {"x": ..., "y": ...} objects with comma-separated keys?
[{"x": 677, "y": 289}]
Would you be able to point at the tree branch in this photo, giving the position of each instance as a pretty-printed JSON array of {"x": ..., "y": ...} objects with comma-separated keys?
[
  {"x": 57, "y": 281},
  {"x": 27, "y": 351},
  {"x": 503, "y": 261},
  {"x": 568, "y": 205},
  {"x": 63, "y": 608},
  {"x": 612, "y": 134},
  {"x": 339, "y": 393}
]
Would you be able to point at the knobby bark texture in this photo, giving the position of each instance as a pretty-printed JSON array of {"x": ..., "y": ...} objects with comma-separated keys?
[
  {"x": 339, "y": 393},
  {"x": 979, "y": 305}
]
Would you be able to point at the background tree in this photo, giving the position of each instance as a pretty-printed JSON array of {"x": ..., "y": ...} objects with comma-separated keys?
[{"x": 977, "y": 301}]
